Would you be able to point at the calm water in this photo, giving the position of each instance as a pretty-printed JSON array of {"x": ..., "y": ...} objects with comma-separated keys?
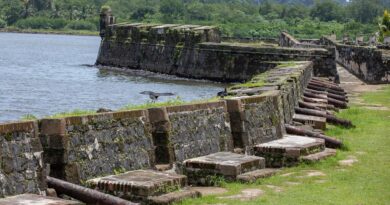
[{"x": 46, "y": 74}]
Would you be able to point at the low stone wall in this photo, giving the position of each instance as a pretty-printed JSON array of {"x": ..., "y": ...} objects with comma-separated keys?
[
  {"x": 256, "y": 120},
  {"x": 84, "y": 147},
  {"x": 22, "y": 168},
  {"x": 259, "y": 119},
  {"x": 286, "y": 40},
  {"x": 199, "y": 130},
  {"x": 199, "y": 55},
  {"x": 367, "y": 63},
  {"x": 81, "y": 148}
]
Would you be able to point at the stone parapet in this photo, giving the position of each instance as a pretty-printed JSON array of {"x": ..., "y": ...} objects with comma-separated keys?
[
  {"x": 193, "y": 51},
  {"x": 369, "y": 64},
  {"x": 22, "y": 168}
]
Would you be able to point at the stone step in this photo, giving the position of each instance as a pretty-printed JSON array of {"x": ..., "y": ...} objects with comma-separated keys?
[
  {"x": 138, "y": 185},
  {"x": 288, "y": 150},
  {"x": 319, "y": 155},
  {"x": 173, "y": 197},
  {"x": 163, "y": 167},
  {"x": 206, "y": 170},
  {"x": 32, "y": 199},
  {"x": 252, "y": 176},
  {"x": 315, "y": 122}
]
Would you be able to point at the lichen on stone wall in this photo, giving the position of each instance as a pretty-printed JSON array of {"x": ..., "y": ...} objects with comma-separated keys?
[
  {"x": 22, "y": 169},
  {"x": 200, "y": 133}
]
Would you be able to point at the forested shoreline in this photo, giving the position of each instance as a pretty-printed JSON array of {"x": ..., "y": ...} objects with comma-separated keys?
[{"x": 237, "y": 18}]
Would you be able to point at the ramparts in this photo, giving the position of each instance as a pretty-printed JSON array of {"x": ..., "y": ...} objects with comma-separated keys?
[
  {"x": 370, "y": 64},
  {"x": 84, "y": 147},
  {"x": 22, "y": 167},
  {"x": 196, "y": 52}
]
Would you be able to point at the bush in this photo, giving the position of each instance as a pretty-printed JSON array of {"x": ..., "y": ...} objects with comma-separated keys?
[
  {"x": 41, "y": 23},
  {"x": 82, "y": 25},
  {"x": 3, "y": 24}
]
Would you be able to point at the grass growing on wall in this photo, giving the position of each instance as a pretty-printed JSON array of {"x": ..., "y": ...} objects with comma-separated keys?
[
  {"x": 73, "y": 113},
  {"x": 365, "y": 182},
  {"x": 150, "y": 104}
]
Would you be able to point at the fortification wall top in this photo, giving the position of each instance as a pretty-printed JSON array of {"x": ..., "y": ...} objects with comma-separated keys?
[{"x": 167, "y": 34}]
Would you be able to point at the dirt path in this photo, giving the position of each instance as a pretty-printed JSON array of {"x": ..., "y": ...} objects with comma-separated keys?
[{"x": 355, "y": 87}]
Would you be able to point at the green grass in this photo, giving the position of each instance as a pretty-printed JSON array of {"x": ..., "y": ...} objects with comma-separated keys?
[
  {"x": 149, "y": 104},
  {"x": 382, "y": 97},
  {"x": 366, "y": 182},
  {"x": 73, "y": 113}
]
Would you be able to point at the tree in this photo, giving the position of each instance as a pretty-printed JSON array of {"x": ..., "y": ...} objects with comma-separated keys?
[
  {"x": 364, "y": 11},
  {"x": 384, "y": 26},
  {"x": 171, "y": 9},
  {"x": 296, "y": 11},
  {"x": 11, "y": 11},
  {"x": 140, "y": 13},
  {"x": 327, "y": 10}
]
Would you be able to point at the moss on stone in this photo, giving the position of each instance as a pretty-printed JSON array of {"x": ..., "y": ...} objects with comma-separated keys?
[{"x": 8, "y": 137}]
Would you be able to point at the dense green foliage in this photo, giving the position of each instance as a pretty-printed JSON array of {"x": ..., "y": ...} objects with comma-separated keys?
[
  {"x": 384, "y": 26},
  {"x": 244, "y": 18},
  {"x": 3, "y": 24}
]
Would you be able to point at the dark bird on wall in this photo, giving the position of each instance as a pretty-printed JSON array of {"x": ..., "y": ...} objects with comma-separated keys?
[
  {"x": 154, "y": 96},
  {"x": 223, "y": 93}
]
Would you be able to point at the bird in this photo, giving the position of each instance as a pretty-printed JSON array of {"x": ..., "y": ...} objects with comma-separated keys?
[
  {"x": 154, "y": 96},
  {"x": 223, "y": 93}
]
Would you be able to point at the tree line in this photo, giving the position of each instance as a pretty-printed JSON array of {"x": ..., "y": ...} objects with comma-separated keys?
[{"x": 239, "y": 18}]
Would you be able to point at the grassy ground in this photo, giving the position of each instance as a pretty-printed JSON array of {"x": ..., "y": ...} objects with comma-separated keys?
[{"x": 367, "y": 181}]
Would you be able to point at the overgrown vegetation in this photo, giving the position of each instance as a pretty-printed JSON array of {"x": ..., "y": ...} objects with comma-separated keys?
[
  {"x": 364, "y": 182},
  {"x": 247, "y": 18},
  {"x": 73, "y": 113},
  {"x": 384, "y": 26}
]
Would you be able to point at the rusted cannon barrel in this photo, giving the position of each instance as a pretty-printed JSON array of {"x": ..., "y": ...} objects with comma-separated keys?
[
  {"x": 330, "y": 95},
  {"x": 328, "y": 106},
  {"x": 332, "y": 101},
  {"x": 308, "y": 106},
  {"x": 333, "y": 87},
  {"x": 324, "y": 81},
  {"x": 88, "y": 196},
  {"x": 326, "y": 89},
  {"x": 329, "y": 118},
  {"x": 329, "y": 141}
]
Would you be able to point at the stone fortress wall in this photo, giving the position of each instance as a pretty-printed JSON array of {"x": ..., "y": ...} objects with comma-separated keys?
[
  {"x": 80, "y": 148},
  {"x": 22, "y": 168},
  {"x": 197, "y": 52},
  {"x": 370, "y": 64}
]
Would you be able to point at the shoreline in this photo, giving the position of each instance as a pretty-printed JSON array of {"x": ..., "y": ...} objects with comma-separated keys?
[{"x": 50, "y": 32}]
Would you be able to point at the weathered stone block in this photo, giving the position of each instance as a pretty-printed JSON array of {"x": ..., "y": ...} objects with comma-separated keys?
[
  {"x": 139, "y": 184},
  {"x": 226, "y": 164},
  {"x": 288, "y": 150},
  {"x": 52, "y": 127},
  {"x": 252, "y": 176},
  {"x": 315, "y": 122}
]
